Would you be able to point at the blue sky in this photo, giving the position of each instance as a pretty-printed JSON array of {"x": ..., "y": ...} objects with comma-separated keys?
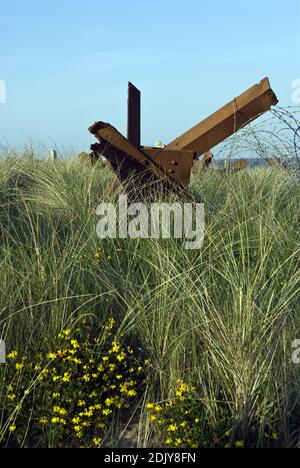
[{"x": 66, "y": 63}]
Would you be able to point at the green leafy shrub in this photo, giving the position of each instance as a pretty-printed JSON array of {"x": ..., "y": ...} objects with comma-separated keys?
[{"x": 71, "y": 395}]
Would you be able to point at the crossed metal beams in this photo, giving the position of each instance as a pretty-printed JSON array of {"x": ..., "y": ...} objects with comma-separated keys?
[{"x": 173, "y": 164}]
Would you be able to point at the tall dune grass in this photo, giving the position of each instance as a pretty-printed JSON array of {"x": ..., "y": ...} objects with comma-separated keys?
[{"x": 222, "y": 318}]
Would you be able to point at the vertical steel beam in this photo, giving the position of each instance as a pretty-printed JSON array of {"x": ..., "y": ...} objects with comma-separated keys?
[{"x": 134, "y": 116}]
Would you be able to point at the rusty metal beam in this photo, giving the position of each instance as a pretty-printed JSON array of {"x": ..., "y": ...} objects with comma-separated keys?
[
  {"x": 238, "y": 165},
  {"x": 226, "y": 121},
  {"x": 173, "y": 166},
  {"x": 134, "y": 116}
]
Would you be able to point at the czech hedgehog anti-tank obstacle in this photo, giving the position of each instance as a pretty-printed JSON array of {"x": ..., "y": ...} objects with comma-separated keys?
[{"x": 172, "y": 165}]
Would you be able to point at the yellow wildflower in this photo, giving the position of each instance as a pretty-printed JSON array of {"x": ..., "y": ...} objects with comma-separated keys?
[
  {"x": 240, "y": 444},
  {"x": 98, "y": 254},
  {"x": 150, "y": 406},
  {"x": 172, "y": 428},
  {"x": 115, "y": 347},
  {"x": 77, "y": 361},
  {"x": 97, "y": 441},
  {"x": 59, "y": 410},
  {"x": 182, "y": 389},
  {"x": 66, "y": 377},
  {"x": 110, "y": 324},
  {"x": 75, "y": 344},
  {"x": 55, "y": 420},
  {"x": 43, "y": 421},
  {"x": 51, "y": 356},
  {"x": 121, "y": 357}
]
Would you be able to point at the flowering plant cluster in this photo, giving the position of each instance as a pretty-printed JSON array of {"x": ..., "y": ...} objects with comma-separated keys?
[
  {"x": 70, "y": 396},
  {"x": 180, "y": 424}
]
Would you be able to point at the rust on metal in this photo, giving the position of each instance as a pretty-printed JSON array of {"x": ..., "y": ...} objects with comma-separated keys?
[
  {"x": 238, "y": 165},
  {"x": 173, "y": 164},
  {"x": 277, "y": 162},
  {"x": 228, "y": 120},
  {"x": 134, "y": 115},
  {"x": 176, "y": 165},
  {"x": 127, "y": 160}
]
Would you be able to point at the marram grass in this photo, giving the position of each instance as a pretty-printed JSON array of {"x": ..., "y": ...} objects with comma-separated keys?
[{"x": 207, "y": 335}]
